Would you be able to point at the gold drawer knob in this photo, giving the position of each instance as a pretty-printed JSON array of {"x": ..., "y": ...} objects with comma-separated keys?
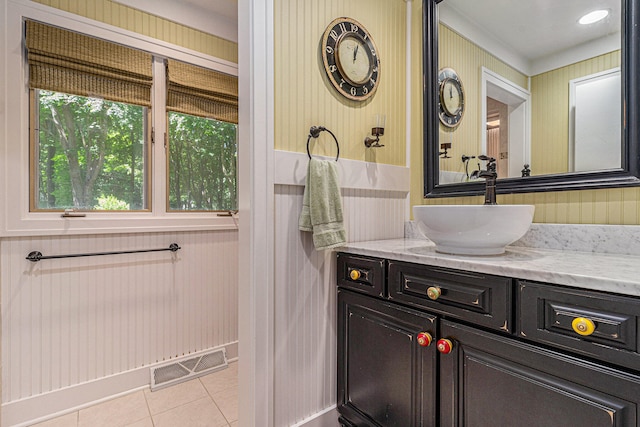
[
  {"x": 583, "y": 326},
  {"x": 434, "y": 293},
  {"x": 355, "y": 274}
]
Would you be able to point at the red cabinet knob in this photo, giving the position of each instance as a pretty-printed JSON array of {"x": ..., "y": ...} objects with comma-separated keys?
[
  {"x": 444, "y": 346},
  {"x": 424, "y": 339}
]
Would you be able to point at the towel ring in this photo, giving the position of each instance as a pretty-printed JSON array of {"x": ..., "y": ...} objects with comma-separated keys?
[{"x": 314, "y": 132}]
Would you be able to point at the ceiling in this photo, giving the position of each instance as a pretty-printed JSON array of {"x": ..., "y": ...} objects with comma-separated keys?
[
  {"x": 535, "y": 29},
  {"x": 226, "y": 8}
]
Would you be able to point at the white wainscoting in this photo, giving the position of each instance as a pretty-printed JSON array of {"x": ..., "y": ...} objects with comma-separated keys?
[
  {"x": 94, "y": 325},
  {"x": 305, "y": 288}
]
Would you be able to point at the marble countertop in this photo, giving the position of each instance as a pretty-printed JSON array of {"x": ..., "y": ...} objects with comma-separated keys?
[{"x": 604, "y": 272}]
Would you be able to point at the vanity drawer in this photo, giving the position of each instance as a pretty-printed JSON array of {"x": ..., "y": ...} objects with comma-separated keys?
[
  {"x": 474, "y": 297},
  {"x": 591, "y": 323},
  {"x": 362, "y": 274}
]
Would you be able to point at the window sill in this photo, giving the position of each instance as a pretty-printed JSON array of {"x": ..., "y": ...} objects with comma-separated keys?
[{"x": 52, "y": 224}]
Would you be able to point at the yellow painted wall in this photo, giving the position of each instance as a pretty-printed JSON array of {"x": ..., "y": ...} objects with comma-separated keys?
[
  {"x": 614, "y": 206},
  {"x": 549, "y": 98},
  {"x": 467, "y": 59},
  {"x": 550, "y": 112},
  {"x": 304, "y": 96},
  {"x": 131, "y": 19},
  {"x": 416, "y": 153}
]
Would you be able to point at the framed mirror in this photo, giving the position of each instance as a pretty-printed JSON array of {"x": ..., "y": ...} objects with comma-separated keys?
[{"x": 552, "y": 136}]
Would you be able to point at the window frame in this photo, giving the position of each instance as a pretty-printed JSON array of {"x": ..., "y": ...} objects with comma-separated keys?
[{"x": 15, "y": 146}]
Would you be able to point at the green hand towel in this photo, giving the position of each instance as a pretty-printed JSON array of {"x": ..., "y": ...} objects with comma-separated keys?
[{"x": 322, "y": 205}]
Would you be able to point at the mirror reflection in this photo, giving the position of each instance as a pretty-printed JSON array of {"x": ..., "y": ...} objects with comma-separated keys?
[{"x": 530, "y": 86}]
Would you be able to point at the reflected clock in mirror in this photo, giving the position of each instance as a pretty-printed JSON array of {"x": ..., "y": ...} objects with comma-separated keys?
[
  {"x": 532, "y": 82},
  {"x": 451, "y": 98}
]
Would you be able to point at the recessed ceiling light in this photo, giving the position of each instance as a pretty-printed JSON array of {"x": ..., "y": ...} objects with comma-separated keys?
[{"x": 594, "y": 16}]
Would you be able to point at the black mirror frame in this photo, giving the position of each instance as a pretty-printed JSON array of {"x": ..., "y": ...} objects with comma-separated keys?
[{"x": 628, "y": 175}]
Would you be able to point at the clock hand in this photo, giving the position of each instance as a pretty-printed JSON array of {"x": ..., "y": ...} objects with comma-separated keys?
[
  {"x": 355, "y": 52},
  {"x": 450, "y": 92}
]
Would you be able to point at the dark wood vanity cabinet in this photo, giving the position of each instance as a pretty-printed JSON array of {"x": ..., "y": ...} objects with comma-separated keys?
[
  {"x": 494, "y": 374},
  {"x": 385, "y": 377},
  {"x": 490, "y": 380}
]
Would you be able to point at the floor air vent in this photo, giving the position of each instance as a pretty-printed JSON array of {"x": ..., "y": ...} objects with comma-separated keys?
[{"x": 187, "y": 368}]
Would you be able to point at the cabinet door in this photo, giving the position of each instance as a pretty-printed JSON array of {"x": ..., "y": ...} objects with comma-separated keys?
[
  {"x": 385, "y": 377},
  {"x": 489, "y": 380}
]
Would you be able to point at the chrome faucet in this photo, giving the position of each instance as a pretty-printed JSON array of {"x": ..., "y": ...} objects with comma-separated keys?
[{"x": 490, "y": 175}]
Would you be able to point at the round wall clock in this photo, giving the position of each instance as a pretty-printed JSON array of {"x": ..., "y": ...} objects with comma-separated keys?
[
  {"x": 350, "y": 59},
  {"x": 451, "y": 99}
]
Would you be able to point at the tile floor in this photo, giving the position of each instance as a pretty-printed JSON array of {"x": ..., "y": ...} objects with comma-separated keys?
[{"x": 208, "y": 401}]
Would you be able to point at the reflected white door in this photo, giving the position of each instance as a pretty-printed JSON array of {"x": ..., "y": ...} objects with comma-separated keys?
[{"x": 594, "y": 122}]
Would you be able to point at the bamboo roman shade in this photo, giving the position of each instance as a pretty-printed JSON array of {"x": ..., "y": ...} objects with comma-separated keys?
[
  {"x": 64, "y": 61},
  {"x": 201, "y": 92}
]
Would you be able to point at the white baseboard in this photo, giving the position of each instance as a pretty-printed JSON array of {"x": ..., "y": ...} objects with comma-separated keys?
[
  {"x": 53, "y": 404},
  {"x": 326, "y": 418}
]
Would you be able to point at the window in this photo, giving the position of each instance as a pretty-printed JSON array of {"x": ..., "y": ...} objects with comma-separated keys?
[
  {"x": 89, "y": 153},
  {"x": 91, "y": 120},
  {"x": 202, "y": 163},
  {"x": 202, "y": 144}
]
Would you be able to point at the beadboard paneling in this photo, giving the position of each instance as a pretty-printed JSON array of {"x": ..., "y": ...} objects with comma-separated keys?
[
  {"x": 614, "y": 206},
  {"x": 467, "y": 59},
  {"x": 304, "y": 96},
  {"x": 73, "y": 320},
  {"x": 550, "y": 112},
  {"x": 305, "y": 296}
]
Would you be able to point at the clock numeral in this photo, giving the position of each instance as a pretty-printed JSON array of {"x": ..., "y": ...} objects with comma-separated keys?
[
  {"x": 341, "y": 83},
  {"x": 332, "y": 68},
  {"x": 373, "y": 52},
  {"x": 329, "y": 50},
  {"x": 365, "y": 90},
  {"x": 334, "y": 34},
  {"x": 354, "y": 28},
  {"x": 353, "y": 91},
  {"x": 343, "y": 28},
  {"x": 372, "y": 82}
]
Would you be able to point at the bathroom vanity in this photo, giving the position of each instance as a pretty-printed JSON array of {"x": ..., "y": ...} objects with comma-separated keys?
[{"x": 533, "y": 337}]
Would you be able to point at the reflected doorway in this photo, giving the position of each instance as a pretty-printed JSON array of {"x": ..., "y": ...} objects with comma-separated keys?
[
  {"x": 498, "y": 135},
  {"x": 507, "y": 115}
]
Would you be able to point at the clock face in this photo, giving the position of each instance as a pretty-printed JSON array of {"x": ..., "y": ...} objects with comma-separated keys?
[
  {"x": 353, "y": 60},
  {"x": 350, "y": 59},
  {"x": 451, "y": 99}
]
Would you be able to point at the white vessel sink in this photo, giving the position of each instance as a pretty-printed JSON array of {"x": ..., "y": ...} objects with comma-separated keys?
[{"x": 474, "y": 229}]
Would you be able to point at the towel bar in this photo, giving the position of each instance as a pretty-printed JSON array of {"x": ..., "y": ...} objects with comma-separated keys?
[
  {"x": 36, "y": 256},
  {"x": 314, "y": 132}
]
